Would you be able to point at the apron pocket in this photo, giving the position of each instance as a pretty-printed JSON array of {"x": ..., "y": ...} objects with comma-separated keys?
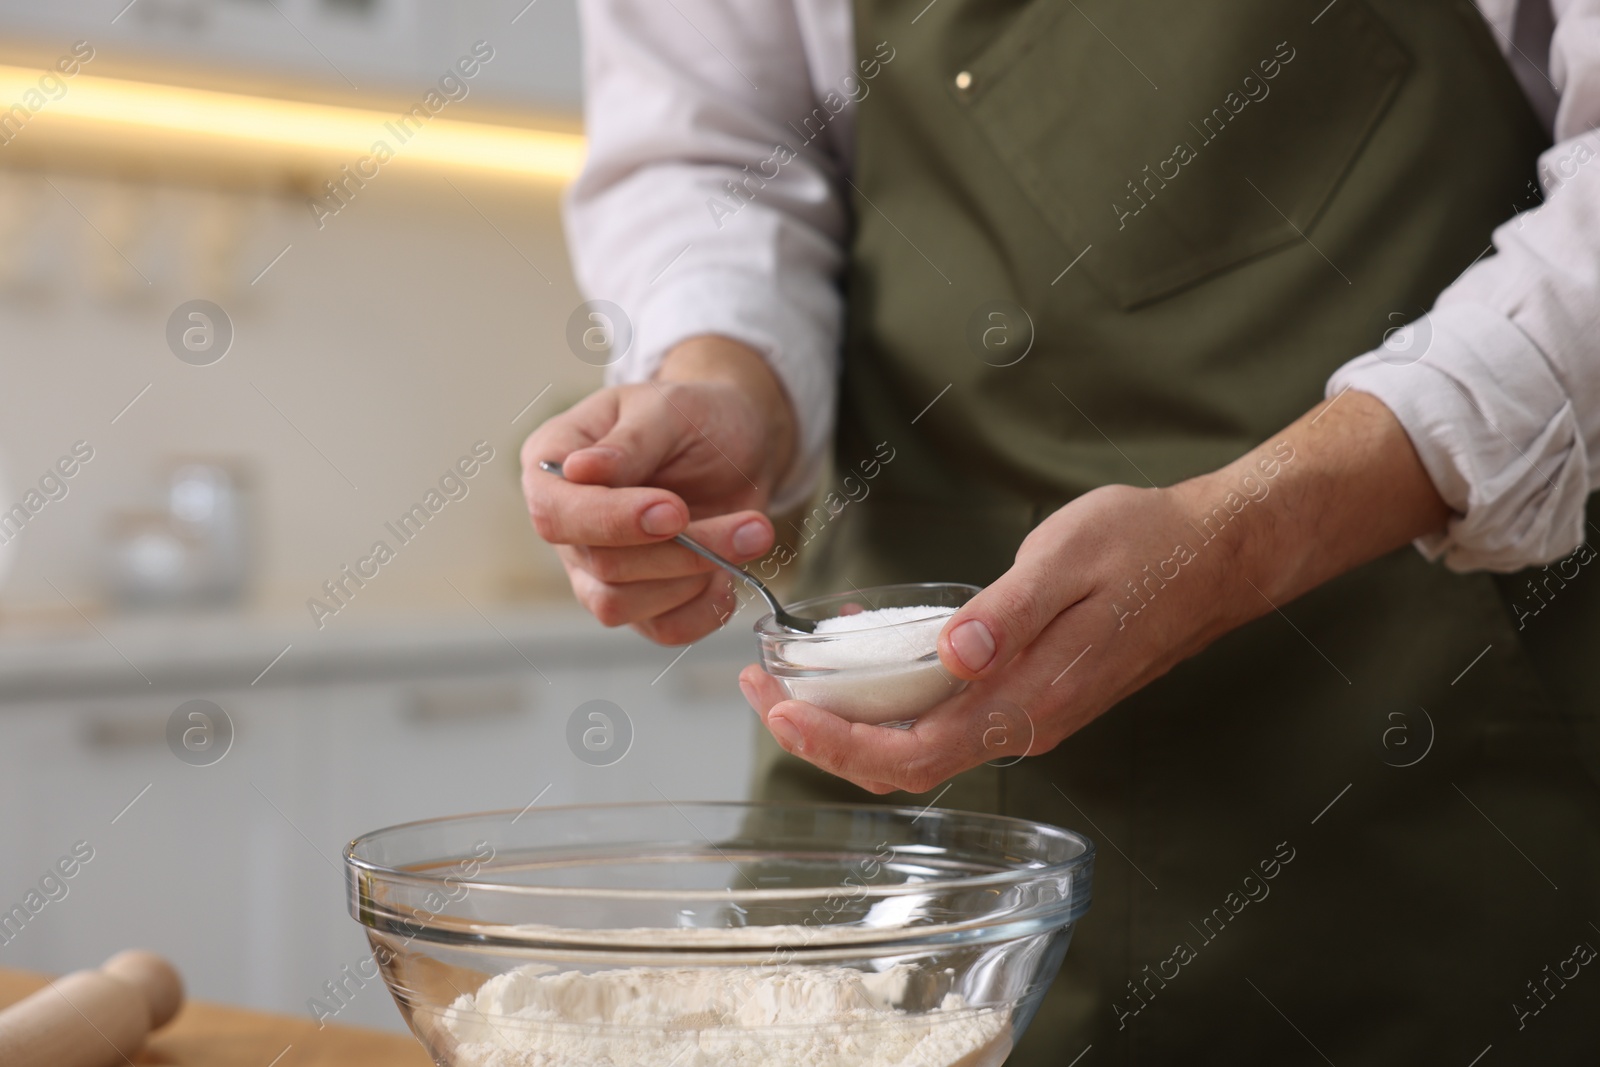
[{"x": 1076, "y": 100}]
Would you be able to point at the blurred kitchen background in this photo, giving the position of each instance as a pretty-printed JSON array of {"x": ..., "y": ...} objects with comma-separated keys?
[{"x": 362, "y": 356}]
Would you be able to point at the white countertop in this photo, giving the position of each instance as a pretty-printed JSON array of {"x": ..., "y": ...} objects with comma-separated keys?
[{"x": 147, "y": 653}]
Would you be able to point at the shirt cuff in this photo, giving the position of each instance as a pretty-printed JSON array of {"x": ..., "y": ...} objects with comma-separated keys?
[
  {"x": 785, "y": 332},
  {"x": 1495, "y": 430}
]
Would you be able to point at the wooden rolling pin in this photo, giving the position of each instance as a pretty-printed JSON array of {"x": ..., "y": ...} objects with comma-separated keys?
[{"x": 92, "y": 1018}]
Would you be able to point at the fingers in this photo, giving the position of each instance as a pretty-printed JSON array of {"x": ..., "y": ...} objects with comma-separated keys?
[
  {"x": 880, "y": 758},
  {"x": 643, "y": 437},
  {"x": 740, "y": 537},
  {"x": 693, "y": 620},
  {"x": 995, "y": 626},
  {"x": 665, "y": 591},
  {"x": 761, "y": 690},
  {"x": 636, "y": 602},
  {"x": 612, "y": 532},
  {"x": 582, "y": 509},
  {"x": 568, "y": 513}
]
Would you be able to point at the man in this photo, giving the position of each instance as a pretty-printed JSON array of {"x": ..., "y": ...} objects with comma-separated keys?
[{"x": 1101, "y": 275}]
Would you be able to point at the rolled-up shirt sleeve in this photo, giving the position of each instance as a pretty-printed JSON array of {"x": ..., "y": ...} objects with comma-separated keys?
[
  {"x": 703, "y": 208},
  {"x": 1498, "y": 387}
]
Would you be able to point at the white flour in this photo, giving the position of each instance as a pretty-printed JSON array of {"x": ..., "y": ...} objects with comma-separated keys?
[
  {"x": 717, "y": 1017},
  {"x": 885, "y": 656}
]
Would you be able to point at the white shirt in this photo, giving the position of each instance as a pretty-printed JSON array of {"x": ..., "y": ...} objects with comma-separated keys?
[{"x": 1503, "y": 405}]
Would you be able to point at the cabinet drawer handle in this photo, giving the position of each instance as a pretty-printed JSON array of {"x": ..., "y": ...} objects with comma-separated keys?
[
  {"x": 108, "y": 733},
  {"x": 430, "y": 707}
]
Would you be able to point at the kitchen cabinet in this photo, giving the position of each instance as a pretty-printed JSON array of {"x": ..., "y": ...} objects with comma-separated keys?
[
  {"x": 234, "y": 869},
  {"x": 214, "y": 1036},
  {"x": 184, "y": 858}
]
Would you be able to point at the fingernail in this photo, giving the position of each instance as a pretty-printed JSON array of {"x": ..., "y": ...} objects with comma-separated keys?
[
  {"x": 750, "y": 539},
  {"x": 659, "y": 520},
  {"x": 749, "y": 694},
  {"x": 600, "y": 452},
  {"x": 787, "y": 735},
  {"x": 973, "y": 645}
]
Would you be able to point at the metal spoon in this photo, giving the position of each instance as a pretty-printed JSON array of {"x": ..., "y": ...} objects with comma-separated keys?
[{"x": 783, "y": 618}]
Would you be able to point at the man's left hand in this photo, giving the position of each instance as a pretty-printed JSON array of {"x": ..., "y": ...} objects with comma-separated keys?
[{"x": 1117, "y": 587}]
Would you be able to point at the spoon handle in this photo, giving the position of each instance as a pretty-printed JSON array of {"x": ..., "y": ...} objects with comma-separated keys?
[
  {"x": 732, "y": 568},
  {"x": 784, "y": 618}
]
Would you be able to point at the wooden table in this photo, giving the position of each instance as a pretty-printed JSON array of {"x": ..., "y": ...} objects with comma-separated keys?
[{"x": 207, "y": 1035}]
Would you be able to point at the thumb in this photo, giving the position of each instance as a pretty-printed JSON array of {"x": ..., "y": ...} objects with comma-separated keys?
[
  {"x": 634, "y": 448},
  {"x": 994, "y": 626}
]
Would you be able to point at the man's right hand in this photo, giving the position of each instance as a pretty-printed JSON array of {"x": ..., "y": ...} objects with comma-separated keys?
[{"x": 698, "y": 450}]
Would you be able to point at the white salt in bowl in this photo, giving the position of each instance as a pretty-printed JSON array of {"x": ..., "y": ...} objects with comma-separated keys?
[
  {"x": 714, "y": 934},
  {"x": 884, "y": 673}
]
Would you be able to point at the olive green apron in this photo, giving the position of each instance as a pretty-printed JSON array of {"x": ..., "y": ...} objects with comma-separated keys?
[{"x": 1186, "y": 216}]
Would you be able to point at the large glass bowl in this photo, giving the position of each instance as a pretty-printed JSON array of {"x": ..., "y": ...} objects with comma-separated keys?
[
  {"x": 702, "y": 934},
  {"x": 878, "y": 675}
]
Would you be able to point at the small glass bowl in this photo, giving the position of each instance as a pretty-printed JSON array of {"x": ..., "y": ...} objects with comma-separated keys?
[
  {"x": 501, "y": 935},
  {"x": 879, "y": 686}
]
